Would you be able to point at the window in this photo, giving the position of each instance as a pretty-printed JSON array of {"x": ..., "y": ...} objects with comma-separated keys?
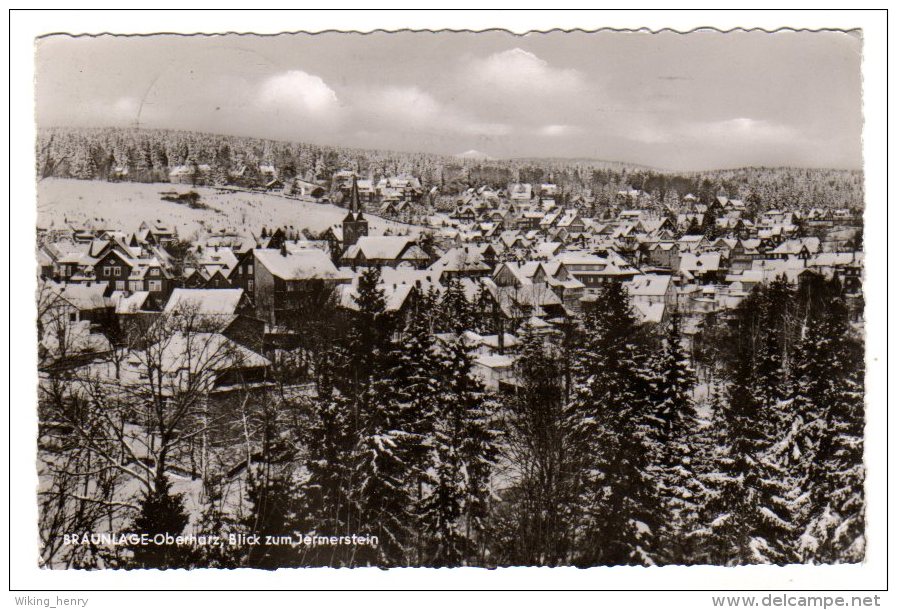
[
  {"x": 119, "y": 285},
  {"x": 73, "y": 317},
  {"x": 250, "y": 284},
  {"x": 135, "y": 285},
  {"x": 155, "y": 286},
  {"x": 107, "y": 271},
  {"x": 154, "y": 272},
  {"x": 248, "y": 269},
  {"x": 116, "y": 271}
]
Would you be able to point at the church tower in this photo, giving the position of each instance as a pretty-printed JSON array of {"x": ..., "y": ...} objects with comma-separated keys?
[{"x": 354, "y": 225}]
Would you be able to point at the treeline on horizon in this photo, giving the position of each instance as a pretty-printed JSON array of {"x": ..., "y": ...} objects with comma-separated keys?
[{"x": 149, "y": 154}]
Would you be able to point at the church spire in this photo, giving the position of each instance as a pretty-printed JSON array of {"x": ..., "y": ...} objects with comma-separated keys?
[
  {"x": 354, "y": 225},
  {"x": 354, "y": 199}
]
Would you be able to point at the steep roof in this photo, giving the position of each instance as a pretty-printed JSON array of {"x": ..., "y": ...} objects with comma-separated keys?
[
  {"x": 649, "y": 312},
  {"x": 83, "y": 296},
  {"x": 708, "y": 261},
  {"x": 385, "y": 248},
  {"x": 423, "y": 278},
  {"x": 461, "y": 259},
  {"x": 306, "y": 264},
  {"x": 205, "y": 352},
  {"x": 794, "y": 246},
  {"x": 223, "y": 301},
  {"x": 649, "y": 285},
  {"x": 393, "y": 295},
  {"x": 129, "y": 302},
  {"x": 224, "y": 257}
]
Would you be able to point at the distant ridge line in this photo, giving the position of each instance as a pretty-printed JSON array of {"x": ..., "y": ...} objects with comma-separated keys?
[{"x": 595, "y": 162}]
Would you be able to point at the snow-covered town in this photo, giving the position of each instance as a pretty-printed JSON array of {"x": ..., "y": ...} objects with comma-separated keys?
[
  {"x": 362, "y": 350},
  {"x": 525, "y": 257},
  {"x": 503, "y": 288}
]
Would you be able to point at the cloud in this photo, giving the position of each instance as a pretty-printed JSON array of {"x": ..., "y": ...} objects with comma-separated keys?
[
  {"x": 298, "y": 92},
  {"x": 745, "y": 129},
  {"x": 518, "y": 70},
  {"x": 408, "y": 105},
  {"x": 486, "y": 129},
  {"x": 413, "y": 108},
  {"x": 556, "y": 130},
  {"x": 652, "y": 135},
  {"x": 737, "y": 131},
  {"x": 126, "y": 107}
]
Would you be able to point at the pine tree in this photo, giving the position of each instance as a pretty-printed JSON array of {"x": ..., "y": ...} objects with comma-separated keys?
[
  {"x": 799, "y": 449},
  {"x": 843, "y": 519},
  {"x": 829, "y": 387},
  {"x": 162, "y": 515},
  {"x": 462, "y": 455},
  {"x": 488, "y": 316},
  {"x": 537, "y": 526},
  {"x": 330, "y": 440},
  {"x": 368, "y": 336},
  {"x": 380, "y": 499},
  {"x": 215, "y": 521},
  {"x": 456, "y": 311},
  {"x": 270, "y": 490},
  {"x": 382, "y": 495},
  {"x": 774, "y": 508},
  {"x": 675, "y": 423},
  {"x": 272, "y": 512},
  {"x": 415, "y": 397},
  {"x": 83, "y": 166},
  {"x": 717, "y": 536},
  {"x": 760, "y": 510},
  {"x": 619, "y": 498}
]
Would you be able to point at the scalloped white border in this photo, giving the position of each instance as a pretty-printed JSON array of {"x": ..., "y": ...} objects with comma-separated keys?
[{"x": 23, "y": 537}]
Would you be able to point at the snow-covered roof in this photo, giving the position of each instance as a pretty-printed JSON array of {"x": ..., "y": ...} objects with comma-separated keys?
[
  {"x": 521, "y": 191},
  {"x": 707, "y": 261},
  {"x": 203, "y": 352},
  {"x": 303, "y": 264},
  {"x": 794, "y": 246},
  {"x": 649, "y": 312},
  {"x": 224, "y": 257},
  {"x": 548, "y": 249},
  {"x": 528, "y": 296},
  {"x": 425, "y": 278},
  {"x": 223, "y": 301},
  {"x": 188, "y": 170},
  {"x": 649, "y": 285},
  {"x": 387, "y": 247},
  {"x": 580, "y": 258},
  {"x": 394, "y": 295},
  {"x": 492, "y": 341},
  {"x": 836, "y": 259},
  {"x": 752, "y": 276},
  {"x": 84, "y": 296},
  {"x": 467, "y": 258},
  {"x": 77, "y": 338},
  {"x": 495, "y": 361},
  {"x": 128, "y": 302}
]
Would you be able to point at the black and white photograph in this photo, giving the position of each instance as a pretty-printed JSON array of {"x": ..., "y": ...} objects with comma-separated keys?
[{"x": 449, "y": 299}]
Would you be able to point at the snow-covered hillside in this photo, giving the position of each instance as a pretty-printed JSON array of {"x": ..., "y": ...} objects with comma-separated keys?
[{"x": 125, "y": 204}]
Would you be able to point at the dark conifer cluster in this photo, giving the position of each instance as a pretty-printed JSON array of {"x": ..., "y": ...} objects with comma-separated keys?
[{"x": 608, "y": 452}]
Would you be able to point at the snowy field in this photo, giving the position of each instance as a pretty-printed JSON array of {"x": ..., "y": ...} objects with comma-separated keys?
[{"x": 125, "y": 205}]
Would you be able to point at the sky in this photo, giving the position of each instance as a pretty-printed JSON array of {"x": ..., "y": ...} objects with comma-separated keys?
[{"x": 703, "y": 100}]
